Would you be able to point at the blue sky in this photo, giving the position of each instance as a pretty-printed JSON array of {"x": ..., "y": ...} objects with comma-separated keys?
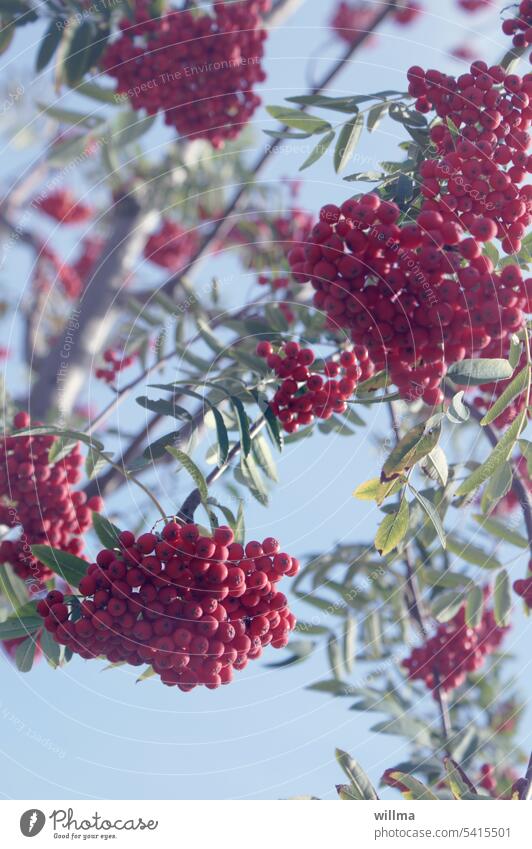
[{"x": 83, "y": 733}]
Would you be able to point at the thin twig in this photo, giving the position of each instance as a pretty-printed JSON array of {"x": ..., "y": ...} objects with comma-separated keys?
[{"x": 193, "y": 500}]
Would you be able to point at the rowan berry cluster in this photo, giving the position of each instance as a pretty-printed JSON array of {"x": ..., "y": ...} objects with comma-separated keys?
[
  {"x": 194, "y": 607},
  {"x": 350, "y": 20},
  {"x": 304, "y": 394},
  {"x": 91, "y": 251},
  {"x": 487, "y": 778},
  {"x": 62, "y": 206},
  {"x": 455, "y": 650},
  {"x": 481, "y": 149},
  {"x": 197, "y": 68},
  {"x": 407, "y": 12},
  {"x": 418, "y": 295},
  {"x": 72, "y": 278},
  {"x": 172, "y": 246},
  {"x": 116, "y": 363},
  {"x": 463, "y": 51},
  {"x": 275, "y": 281},
  {"x": 474, "y": 5},
  {"x": 520, "y": 27},
  {"x": 37, "y": 497},
  {"x": 523, "y": 587}
]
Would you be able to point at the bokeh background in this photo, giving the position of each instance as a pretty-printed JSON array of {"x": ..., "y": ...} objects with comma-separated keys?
[{"x": 82, "y": 732}]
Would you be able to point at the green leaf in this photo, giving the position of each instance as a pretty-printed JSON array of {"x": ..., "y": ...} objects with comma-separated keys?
[
  {"x": 50, "y": 649},
  {"x": 49, "y": 43},
  {"x": 446, "y": 606},
  {"x": 129, "y": 128},
  {"x": 149, "y": 672},
  {"x": 474, "y": 607},
  {"x": 336, "y": 104},
  {"x": 405, "y": 726},
  {"x": 64, "y": 152},
  {"x": 360, "y": 785},
  {"x": 457, "y": 411},
  {"x": 96, "y": 461},
  {"x": 192, "y": 469},
  {"x": 69, "y": 116},
  {"x": 350, "y": 639},
  {"x": 243, "y": 425},
  {"x": 71, "y": 568},
  {"x": 251, "y": 477},
  {"x": 60, "y": 449},
  {"x": 19, "y": 626},
  {"x": 240, "y": 527},
  {"x": 208, "y": 336},
  {"x": 222, "y": 436},
  {"x": 476, "y": 372},
  {"x": 502, "y": 531},
  {"x": 50, "y": 430},
  {"x": 374, "y": 490},
  {"x": 263, "y": 456},
  {"x": 498, "y": 485},
  {"x": 157, "y": 448},
  {"x": 336, "y": 688},
  {"x": 12, "y": 587},
  {"x": 375, "y": 116},
  {"x": 432, "y": 514},
  {"x": 25, "y": 655},
  {"x": 515, "y": 388},
  {"x": 417, "y": 790},
  {"x": 334, "y": 654},
  {"x": 297, "y": 120},
  {"x": 459, "y": 783},
  {"x": 435, "y": 465},
  {"x": 321, "y": 148},
  {"x": 347, "y": 142},
  {"x": 526, "y": 450},
  {"x": 499, "y": 455},
  {"x": 416, "y": 444},
  {"x": 392, "y": 529},
  {"x": 77, "y": 61},
  {"x": 472, "y": 553},
  {"x": 106, "y": 532},
  {"x": 502, "y": 599},
  {"x": 96, "y": 92}
]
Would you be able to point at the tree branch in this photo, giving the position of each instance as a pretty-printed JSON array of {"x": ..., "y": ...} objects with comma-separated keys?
[{"x": 64, "y": 369}]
